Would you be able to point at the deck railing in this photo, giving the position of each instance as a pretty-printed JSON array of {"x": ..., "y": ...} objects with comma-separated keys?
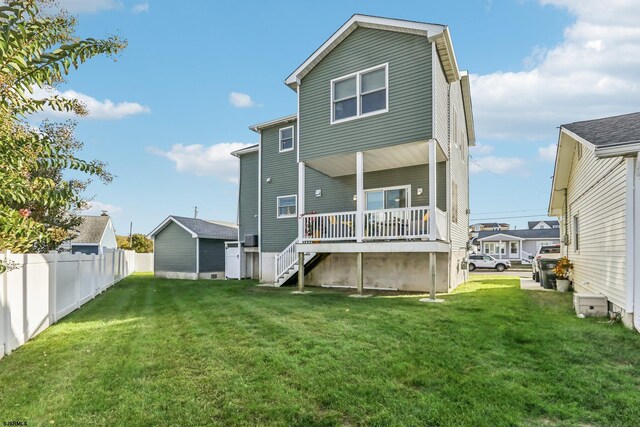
[
  {"x": 384, "y": 224},
  {"x": 286, "y": 259}
]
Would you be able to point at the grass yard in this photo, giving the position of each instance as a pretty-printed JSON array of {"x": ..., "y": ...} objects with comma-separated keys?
[{"x": 168, "y": 352}]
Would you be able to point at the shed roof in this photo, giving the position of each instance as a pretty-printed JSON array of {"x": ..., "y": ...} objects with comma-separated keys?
[
  {"x": 91, "y": 229},
  {"x": 201, "y": 228}
]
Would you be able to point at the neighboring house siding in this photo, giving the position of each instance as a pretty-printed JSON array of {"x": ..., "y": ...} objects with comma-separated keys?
[
  {"x": 248, "y": 208},
  {"x": 441, "y": 103},
  {"x": 282, "y": 168},
  {"x": 174, "y": 250},
  {"x": 409, "y": 91},
  {"x": 337, "y": 193},
  {"x": 109, "y": 237},
  {"x": 459, "y": 165},
  {"x": 85, "y": 249},
  {"x": 211, "y": 255},
  {"x": 597, "y": 194}
]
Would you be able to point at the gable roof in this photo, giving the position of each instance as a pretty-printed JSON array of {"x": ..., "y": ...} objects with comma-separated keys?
[
  {"x": 246, "y": 150},
  {"x": 436, "y": 33},
  {"x": 543, "y": 233},
  {"x": 200, "y": 228},
  {"x": 605, "y": 137},
  {"x": 608, "y": 132},
  {"x": 550, "y": 223},
  {"x": 91, "y": 229}
]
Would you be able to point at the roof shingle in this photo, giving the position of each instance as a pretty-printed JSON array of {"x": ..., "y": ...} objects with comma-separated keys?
[{"x": 608, "y": 131}]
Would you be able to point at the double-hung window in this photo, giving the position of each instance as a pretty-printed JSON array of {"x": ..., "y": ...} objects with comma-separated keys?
[
  {"x": 286, "y": 139},
  {"x": 287, "y": 206},
  {"x": 360, "y": 94}
]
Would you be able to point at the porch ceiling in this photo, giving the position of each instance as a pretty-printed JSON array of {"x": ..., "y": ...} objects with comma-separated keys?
[{"x": 392, "y": 157}]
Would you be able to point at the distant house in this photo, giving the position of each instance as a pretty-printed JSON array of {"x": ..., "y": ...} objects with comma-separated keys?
[
  {"x": 516, "y": 244},
  {"x": 596, "y": 194},
  {"x": 537, "y": 225},
  {"x": 94, "y": 235},
  {"x": 488, "y": 226},
  {"x": 190, "y": 248}
]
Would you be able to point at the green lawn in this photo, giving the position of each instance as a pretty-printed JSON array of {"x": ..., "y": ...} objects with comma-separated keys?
[{"x": 168, "y": 352}]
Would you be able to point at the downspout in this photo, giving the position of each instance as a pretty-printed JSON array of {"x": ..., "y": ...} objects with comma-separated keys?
[{"x": 565, "y": 238}]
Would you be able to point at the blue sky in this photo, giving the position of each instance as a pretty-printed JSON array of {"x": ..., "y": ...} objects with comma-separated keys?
[{"x": 196, "y": 74}]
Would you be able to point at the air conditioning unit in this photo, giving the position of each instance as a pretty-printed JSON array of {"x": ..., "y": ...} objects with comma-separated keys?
[{"x": 250, "y": 240}]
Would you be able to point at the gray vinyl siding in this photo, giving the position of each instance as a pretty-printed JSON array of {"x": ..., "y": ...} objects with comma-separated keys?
[
  {"x": 409, "y": 92},
  {"x": 248, "y": 207},
  {"x": 282, "y": 168},
  {"x": 337, "y": 193},
  {"x": 174, "y": 250},
  {"x": 211, "y": 255},
  {"x": 441, "y": 103}
]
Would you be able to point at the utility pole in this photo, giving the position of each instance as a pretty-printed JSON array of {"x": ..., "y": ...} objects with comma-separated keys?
[
  {"x": 195, "y": 212},
  {"x": 131, "y": 234}
]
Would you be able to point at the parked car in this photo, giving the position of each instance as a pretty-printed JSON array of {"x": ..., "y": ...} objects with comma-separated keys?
[
  {"x": 548, "y": 252},
  {"x": 487, "y": 261}
]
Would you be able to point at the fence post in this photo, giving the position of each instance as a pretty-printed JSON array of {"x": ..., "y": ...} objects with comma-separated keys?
[
  {"x": 53, "y": 287},
  {"x": 94, "y": 278},
  {"x": 25, "y": 306},
  {"x": 77, "y": 278},
  {"x": 113, "y": 267},
  {"x": 4, "y": 311}
]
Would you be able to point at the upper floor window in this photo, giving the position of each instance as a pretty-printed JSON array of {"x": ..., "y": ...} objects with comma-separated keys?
[
  {"x": 286, "y": 139},
  {"x": 360, "y": 94}
]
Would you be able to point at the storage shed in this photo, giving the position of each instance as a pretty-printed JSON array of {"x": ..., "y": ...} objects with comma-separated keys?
[{"x": 191, "y": 248}]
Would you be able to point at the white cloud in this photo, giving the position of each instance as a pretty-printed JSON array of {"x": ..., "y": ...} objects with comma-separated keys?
[
  {"x": 548, "y": 153},
  {"x": 140, "y": 8},
  {"x": 482, "y": 149},
  {"x": 215, "y": 160},
  {"x": 498, "y": 165},
  {"x": 99, "y": 110},
  {"x": 90, "y": 6},
  {"x": 96, "y": 208},
  {"x": 241, "y": 100},
  {"x": 592, "y": 73}
]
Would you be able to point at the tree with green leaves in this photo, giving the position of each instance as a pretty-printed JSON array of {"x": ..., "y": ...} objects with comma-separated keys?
[
  {"x": 38, "y": 48},
  {"x": 138, "y": 242}
]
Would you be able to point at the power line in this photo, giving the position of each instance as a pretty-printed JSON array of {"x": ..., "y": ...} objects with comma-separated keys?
[
  {"x": 502, "y": 212},
  {"x": 508, "y": 217}
]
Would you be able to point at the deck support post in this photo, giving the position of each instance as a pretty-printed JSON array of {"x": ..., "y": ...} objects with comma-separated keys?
[
  {"x": 432, "y": 190},
  {"x": 360, "y": 277},
  {"x": 359, "y": 196},
  {"x": 300, "y": 271},
  {"x": 432, "y": 281},
  {"x": 301, "y": 201}
]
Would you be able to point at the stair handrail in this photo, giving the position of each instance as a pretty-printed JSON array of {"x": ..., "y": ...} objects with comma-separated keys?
[{"x": 286, "y": 259}]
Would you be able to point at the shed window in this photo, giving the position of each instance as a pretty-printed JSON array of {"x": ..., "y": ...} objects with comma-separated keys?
[
  {"x": 286, "y": 139},
  {"x": 359, "y": 94},
  {"x": 576, "y": 233},
  {"x": 287, "y": 206}
]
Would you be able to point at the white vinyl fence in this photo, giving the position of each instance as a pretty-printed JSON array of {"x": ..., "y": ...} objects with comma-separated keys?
[{"x": 47, "y": 287}]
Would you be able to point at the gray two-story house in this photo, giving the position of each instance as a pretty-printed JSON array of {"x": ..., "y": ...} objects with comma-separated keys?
[{"x": 368, "y": 182}]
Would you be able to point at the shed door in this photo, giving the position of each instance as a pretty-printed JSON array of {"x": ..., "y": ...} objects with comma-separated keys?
[{"x": 232, "y": 262}]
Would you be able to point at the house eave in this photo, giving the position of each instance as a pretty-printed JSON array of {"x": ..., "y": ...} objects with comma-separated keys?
[
  {"x": 468, "y": 110},
  {"x": 280, "y": 121},
  {"x": 624, "y": 149},
  {"x": 366, "y": 21},
  {"x": 251, "y": 149}
]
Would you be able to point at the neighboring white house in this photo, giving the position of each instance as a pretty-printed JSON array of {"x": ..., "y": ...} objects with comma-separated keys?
[
  {"x": 538, "y": 225},
  {"x": 516, "y": 244},
  {"x": 93, "y": 235},
  {"x": 596, "y": 196}
]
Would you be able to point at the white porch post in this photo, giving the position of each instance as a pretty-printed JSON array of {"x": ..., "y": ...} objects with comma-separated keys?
[
  {"x": 359, "y": 196},
  {"x": 432, "y": 190},
  {"x": 636, "y": 240},
  {"x": 301, "y": 208}
]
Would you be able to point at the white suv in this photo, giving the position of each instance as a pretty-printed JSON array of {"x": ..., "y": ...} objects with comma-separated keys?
[
  {"x": 547, "y": 252},
  {"x": 487, "y": 261}
]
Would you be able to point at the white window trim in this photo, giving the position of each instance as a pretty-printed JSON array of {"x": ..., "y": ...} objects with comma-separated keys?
[
  {"x": 295, "y": 196},
  {"x": 293, "y": 139},
  {"x": 407, "y": 188},
  {"x": 357, "y": 75}
]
